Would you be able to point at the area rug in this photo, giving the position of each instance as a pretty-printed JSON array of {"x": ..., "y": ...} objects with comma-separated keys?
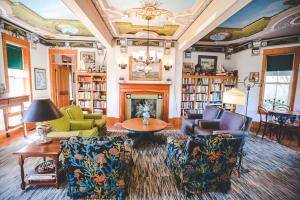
[{"x": 271, "y": 171}]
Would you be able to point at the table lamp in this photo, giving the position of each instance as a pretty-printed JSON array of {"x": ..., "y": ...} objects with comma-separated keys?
[
  {"x": 234, "y": 96},
  {"x": 39, "y": 111}
]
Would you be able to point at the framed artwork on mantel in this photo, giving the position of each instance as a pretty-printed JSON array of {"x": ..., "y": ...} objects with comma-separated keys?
[{"x": 136, "y": 74}]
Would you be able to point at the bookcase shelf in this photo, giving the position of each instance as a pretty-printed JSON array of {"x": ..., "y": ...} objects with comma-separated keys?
[
  {"x": 202, "y": 90},
  {"x": 91, "y": 91}
]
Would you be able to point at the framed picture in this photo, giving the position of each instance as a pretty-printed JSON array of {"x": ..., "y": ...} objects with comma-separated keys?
[
  {"x": 136, "y": 73},
  {"x": 254, "y": 77},
  {"x": 40, "y": 81},
  {"x": 208, "y": 63},
  {"x": 188, "y": 68},
  {"x": 187, "y": 54},
  {"x": 88, "y": 59}
]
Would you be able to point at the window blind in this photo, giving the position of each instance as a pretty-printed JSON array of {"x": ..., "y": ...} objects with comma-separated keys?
[
  {"x": 14, "y": 57},
  {"x": 280, "y": 62}
]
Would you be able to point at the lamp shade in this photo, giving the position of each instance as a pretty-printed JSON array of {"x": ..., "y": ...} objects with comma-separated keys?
[
  {"x": 41, "y": 110},
  {"x": 234, "y": 96}
]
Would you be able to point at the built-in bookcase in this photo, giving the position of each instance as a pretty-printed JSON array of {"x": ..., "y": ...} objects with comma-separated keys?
[
  {"x": 199, "y": 91},
  {"x": 91, "y": 91}
]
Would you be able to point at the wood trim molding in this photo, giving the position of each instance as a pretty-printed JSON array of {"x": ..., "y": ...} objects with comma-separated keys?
[
  {"x": 8, "y": 39},
  {"x": 266, "y": 52},
  {"x": 132, "y": 88},
  {"x": 53, "y": 66}
]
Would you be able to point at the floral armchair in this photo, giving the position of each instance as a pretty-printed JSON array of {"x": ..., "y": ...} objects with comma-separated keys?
[
  {"x": 97, "y": 167},
  {"x": 202, "y": 163}
]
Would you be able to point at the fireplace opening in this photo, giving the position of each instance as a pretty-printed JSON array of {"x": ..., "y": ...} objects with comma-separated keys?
[{"x": 134, "y": 102}]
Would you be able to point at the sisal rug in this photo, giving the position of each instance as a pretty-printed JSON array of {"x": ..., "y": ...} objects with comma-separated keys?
[{"x": 271, "y": 171}]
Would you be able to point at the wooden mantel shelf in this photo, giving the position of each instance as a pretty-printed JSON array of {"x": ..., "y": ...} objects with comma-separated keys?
[{"x": 145, "y": 82}]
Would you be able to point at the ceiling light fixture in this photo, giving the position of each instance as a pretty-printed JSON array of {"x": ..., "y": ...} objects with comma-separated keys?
[{"x": 149, "y": 11}]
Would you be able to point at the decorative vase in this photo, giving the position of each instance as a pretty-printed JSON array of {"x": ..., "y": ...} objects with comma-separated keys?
[{"x": 145, "y": 121}]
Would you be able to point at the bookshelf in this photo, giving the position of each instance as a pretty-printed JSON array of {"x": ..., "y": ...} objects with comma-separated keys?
[
  {"x": 91, "y": 92},
  {"x": 201, "y": 90}
]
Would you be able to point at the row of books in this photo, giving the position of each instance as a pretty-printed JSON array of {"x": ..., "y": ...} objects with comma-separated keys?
[
  {"x": 98, "y": 111},
  {"x": 200, "y": 88},
  {"x": 84, "y": 86},
  {"x": 99, "y": 86},
  {"x": 199, "y": 81},
  {"x": 99, "y": 104},
  {"x": 217, "y": 81},
  {"x": 84, "y": 95},
  {"x": 98, "y": 95},
  {"x": 215, "y": 87},
  {"x": 188, "y": 97},
  {"x": 84, "y": 104},
  {"x": 187, "y": 105},
  {"x": 200, "y": 105},
  {"x": 217, "y": 96},
  {"x": 201, "y": 97}
]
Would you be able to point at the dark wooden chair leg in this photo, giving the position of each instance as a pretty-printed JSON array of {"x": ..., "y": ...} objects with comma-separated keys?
[{"x": 259, "y": 126}]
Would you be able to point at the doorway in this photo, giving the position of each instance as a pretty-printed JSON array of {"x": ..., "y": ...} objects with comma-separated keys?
[{"x": 63, "y": 64}]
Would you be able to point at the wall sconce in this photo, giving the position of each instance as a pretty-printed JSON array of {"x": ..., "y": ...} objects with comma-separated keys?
[
  {"x": 123, "y": 66},
  {"x": 168, "y": 67}
]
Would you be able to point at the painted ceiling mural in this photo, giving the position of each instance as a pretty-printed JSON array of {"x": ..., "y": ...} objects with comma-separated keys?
[
  {"x": 171, "y": 18},
  {"x": 259, "y": 19},
  {"x": 51, "y": 19}
]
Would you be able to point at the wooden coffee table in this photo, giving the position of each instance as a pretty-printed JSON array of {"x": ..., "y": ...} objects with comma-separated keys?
[
  {"x": 144, "y": 132},
  {"x": 51, "y": 150}
]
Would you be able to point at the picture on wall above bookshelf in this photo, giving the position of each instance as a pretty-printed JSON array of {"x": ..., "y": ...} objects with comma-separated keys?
[
  {"x": 91, "y": 92},
  {"x": 201, "y": 90}
]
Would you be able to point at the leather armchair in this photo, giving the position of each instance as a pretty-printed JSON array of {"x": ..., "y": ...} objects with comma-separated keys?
[
  {"x": 97, "y": 167},
  {"x": 202, "y": 163},
  {"x": 210, "y": 113}
]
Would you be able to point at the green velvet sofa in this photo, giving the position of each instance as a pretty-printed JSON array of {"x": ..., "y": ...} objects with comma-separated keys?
[{"x": 76, "y": 123}]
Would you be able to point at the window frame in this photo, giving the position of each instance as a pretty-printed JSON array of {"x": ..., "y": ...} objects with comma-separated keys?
[{"x": 295, "y": 71}]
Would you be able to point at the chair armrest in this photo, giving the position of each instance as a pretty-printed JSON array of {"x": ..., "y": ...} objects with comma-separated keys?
[
  {"x": 175, "y": 147},
  {"x": 209, "y": 124},
  {"x": 235, "y": 134},
  {"x": 92, "y": 116},
  {"x": 81, "y": 124},
  {"x": 195, "y": 116}
]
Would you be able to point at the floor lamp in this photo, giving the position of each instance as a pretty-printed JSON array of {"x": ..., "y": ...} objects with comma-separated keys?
[{"x": 236, "y": 97}]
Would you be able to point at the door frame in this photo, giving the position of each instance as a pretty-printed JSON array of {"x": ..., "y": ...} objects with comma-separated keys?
[
  {"x": 8, "y": 39},
  {"x": 53, "y": 66}
]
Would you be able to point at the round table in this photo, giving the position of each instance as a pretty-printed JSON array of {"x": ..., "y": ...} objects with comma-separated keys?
[{"x": 141, "y": 131}]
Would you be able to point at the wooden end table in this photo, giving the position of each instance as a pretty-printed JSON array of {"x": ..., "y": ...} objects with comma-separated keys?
[
  {"x": 51, "y": 150},
  {"x": 144, "y": 132}
]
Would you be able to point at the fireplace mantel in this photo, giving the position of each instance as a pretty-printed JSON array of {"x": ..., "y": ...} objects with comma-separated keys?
[
  {"x": 145, "y": 82},
  {"x": 145, "y": 88}
]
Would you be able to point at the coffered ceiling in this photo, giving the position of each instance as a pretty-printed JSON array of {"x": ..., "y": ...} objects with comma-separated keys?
[{"x": 123, "y": 19}]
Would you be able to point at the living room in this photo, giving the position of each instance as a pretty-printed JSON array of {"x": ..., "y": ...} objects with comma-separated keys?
[{"x": 150, "y": 99}]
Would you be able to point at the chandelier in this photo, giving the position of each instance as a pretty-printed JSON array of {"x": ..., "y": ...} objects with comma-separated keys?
[{"x": 149, "y": 11}]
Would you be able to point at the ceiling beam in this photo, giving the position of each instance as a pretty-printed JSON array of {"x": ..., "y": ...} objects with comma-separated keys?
[
  {"x": 215, "y": 14},
  {"x": 91, "y": 18}
]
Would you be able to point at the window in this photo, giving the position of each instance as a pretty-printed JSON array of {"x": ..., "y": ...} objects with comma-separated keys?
[{"x": 278, "y": 79}]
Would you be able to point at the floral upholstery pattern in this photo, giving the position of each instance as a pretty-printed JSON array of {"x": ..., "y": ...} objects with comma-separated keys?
[
  {"x": 97, "y": 167},
  {"x": 203, "y": 163}
]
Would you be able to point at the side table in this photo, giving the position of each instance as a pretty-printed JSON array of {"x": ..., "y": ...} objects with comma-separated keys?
[{"x": 51, "y": 150}]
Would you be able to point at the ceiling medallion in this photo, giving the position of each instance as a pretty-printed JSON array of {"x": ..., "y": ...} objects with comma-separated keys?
[
  {"x": 150, "y": 10},
  {"x": 67, "y": 29},
  {"x": 219, "y": 36}
]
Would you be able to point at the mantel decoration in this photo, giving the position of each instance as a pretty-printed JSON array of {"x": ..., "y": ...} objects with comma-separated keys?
[{"x": 149, "y": 11}]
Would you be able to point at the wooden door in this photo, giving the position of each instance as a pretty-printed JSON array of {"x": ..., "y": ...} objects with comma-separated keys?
[{"x": 62, "y": 77}]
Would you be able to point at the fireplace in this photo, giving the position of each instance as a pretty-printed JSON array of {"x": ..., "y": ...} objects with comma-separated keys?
[
  {"x": 135, "y": 101},
  {"x": 133, "y": 95}
]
